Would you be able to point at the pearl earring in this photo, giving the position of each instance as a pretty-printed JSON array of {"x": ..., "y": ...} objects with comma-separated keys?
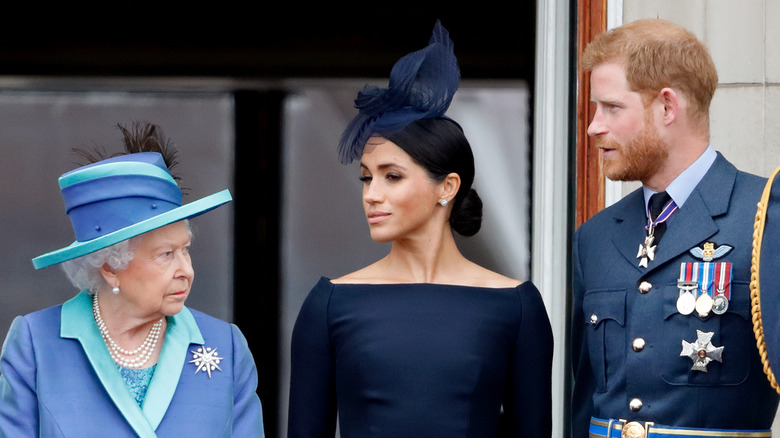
[
  {"x": 115, "y": 290},
  {"x": 443, "y": 202}
]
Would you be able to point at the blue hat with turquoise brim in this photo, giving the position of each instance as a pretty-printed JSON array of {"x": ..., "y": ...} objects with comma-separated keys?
[
  {"x": 121, "y": 197},
  {"x": 765, "y": 283}
]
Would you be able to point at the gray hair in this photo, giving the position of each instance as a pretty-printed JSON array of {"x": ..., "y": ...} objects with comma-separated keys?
[{"x": 84, "y": 271}]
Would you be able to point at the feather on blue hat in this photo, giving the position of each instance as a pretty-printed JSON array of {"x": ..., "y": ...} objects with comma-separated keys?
[{"x": 422, "y": 85}]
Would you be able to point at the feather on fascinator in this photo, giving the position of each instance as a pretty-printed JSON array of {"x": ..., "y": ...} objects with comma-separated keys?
[
  {"x": 422, "y": 84},
  {"x": 140, "y": 137}
]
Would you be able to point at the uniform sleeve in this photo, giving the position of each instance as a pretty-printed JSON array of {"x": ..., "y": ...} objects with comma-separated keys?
[
  {"x": 528, "y": 401},
  {"x": 312, "y": 411},
  {"x": 18, "y": 397},
  {"x": 247, "y": 410},
  {"x": 584, "y": 384}
]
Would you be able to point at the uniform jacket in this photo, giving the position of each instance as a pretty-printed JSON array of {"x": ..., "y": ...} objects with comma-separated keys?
[
  {"x": 611, "y": 316},
  {"x": 58, "y": 380}
]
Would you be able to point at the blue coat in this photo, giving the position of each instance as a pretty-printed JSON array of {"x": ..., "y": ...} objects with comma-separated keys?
[
  {"x": 58, "y": 380},
  {"x": 627, "y": 345}
]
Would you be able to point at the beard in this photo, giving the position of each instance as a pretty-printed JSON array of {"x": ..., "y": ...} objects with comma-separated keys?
[{"x": 638, "y": 159}]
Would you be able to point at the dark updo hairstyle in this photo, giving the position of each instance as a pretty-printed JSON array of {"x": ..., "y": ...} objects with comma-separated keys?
[{"x": 440, "y": 146}]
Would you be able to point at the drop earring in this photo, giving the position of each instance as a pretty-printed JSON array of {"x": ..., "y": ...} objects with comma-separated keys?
[{"x": 115, "y": 290}]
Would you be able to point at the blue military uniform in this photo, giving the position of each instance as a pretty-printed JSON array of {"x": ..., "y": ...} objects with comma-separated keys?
[
  {"x": 635, "y": 356},
  {"x": 764, "y": 282}
]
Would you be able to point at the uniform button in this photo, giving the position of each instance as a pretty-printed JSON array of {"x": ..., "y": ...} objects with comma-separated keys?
[
  {"x": 645, "y": 286},
  {"x": 635, "y": 405},
  {"x": 594, "y": 319},
  {"x": 638, "y": 344}
]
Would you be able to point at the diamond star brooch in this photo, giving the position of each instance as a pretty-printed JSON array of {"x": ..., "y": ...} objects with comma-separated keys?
[{"x": 206, "y": 359}]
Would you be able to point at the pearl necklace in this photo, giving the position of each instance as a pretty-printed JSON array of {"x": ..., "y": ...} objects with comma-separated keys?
[{"x": 127, "y": 358}]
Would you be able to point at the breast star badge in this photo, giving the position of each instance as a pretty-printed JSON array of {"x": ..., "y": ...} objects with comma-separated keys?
[
  {"x": 206, "y": 359},
  {"x": 701, "y": 351}
]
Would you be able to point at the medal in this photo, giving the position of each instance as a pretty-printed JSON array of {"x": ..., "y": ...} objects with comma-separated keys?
[
  {"x": 704, "y": 301},
  {"x": 720, "y": 304},
  {"x": 703, "y": 305},
  {"x": 686, "y": 301},
  {"x": 722, "y": 292}
]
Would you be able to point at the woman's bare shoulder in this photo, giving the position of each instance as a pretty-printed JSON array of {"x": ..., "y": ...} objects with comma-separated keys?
[
  {"x": 371, "y": 274},
  {"x": 483, "y": 277},
  {"x": 468, "y": 274}
]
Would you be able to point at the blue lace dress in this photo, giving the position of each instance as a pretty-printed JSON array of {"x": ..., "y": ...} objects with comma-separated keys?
[{"x": 137, "y": 381}]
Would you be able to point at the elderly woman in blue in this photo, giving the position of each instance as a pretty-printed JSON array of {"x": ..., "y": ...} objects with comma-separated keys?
[{"x": 125, "y": 357}]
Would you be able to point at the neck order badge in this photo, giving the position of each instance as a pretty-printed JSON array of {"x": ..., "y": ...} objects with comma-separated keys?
[{"x": 661, "y": 207}]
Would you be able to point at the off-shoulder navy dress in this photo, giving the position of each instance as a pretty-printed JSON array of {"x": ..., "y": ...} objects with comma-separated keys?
[{"x": 421, "y": 360}]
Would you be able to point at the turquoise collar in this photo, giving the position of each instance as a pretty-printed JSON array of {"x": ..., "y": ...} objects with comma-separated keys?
[{"x": 78, "y": 323}]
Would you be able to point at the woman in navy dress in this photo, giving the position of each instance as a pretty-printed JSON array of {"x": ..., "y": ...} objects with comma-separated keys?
[{"x": 424, "y": 342}]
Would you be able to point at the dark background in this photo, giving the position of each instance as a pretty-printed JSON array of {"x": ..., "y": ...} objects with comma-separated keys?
[
  {"x": 259, "y": 41},
  {"x": 245, "y": 45}
]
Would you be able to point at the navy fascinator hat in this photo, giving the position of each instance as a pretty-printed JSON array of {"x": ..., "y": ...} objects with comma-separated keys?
[{"x": 422, "y": 85}]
